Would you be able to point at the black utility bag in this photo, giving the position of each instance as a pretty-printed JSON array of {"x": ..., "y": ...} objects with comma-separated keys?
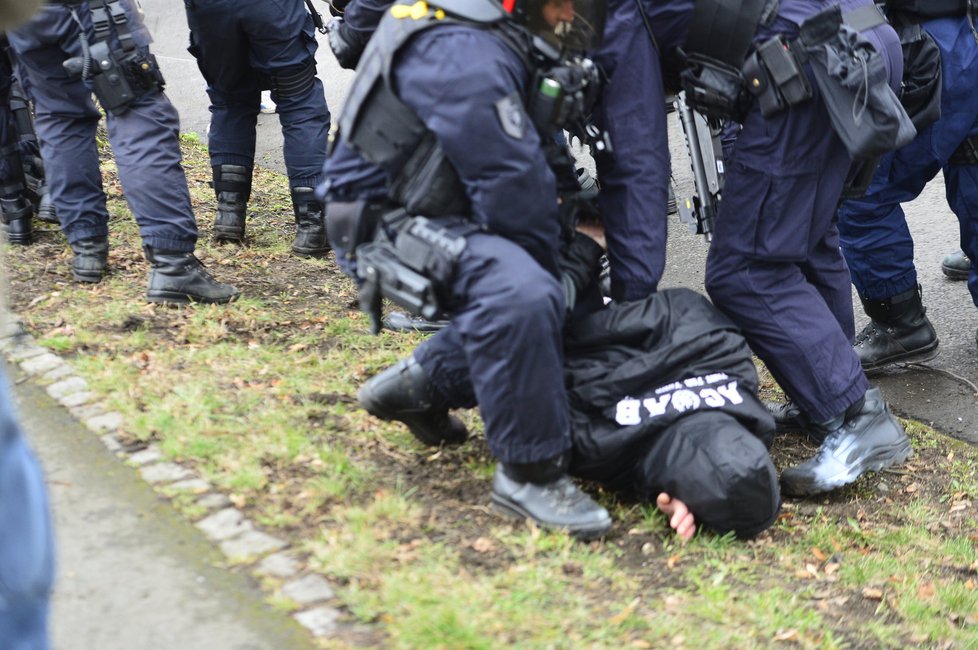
[{"x": 852, "y": 79}]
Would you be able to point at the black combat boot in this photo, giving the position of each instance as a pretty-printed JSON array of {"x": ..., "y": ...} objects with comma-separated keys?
[
  {"x": 45, "y": 206},
  {"x": 788, "y": 416},
  {"x": 398, "y": 321},
  {"x": 866, "y": 438},
  {"x": 180, "y": 278},
  {"x": 899, "y": 331},
  {"x": 18, "y": 214},
  {"x": 310, "y": 223},
  {"x": 91, "y": 259},
  {"x": 404, "y": 393},
  {"x": 956, "y": 265},
  {"x": 543, "y": 492},
  {"x": 232, "y": 185}
]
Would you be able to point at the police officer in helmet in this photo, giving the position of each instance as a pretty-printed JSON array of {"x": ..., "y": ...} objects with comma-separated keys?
[
  {"x": 494, "y": 199},
  {"x": 242, "y": 47}
]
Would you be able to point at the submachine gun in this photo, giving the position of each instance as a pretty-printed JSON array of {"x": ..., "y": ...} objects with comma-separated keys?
[{"x": 705, "y": 153}]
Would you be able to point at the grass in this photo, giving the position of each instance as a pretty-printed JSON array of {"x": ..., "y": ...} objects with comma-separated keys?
[{"x": 258, "y": 396}]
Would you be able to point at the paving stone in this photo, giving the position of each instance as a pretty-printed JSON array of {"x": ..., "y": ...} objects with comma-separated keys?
[
  {"x": 61, "y": 372},
  {"x": 224, "y": 524},
  {"x": 308, "y": 590},
  {"x": 26, "y": 351},
  {"x": 105, "y": 422},
  {"x": 111, "y": 443},
  {"x": 164, "y": 473},
  {"x": 213, "y": 501},
  {"x": 194, "y": 485},
  {"x": 250, "y": 544},
  {"x": 11, "y": 326},
  {"x": 67, "y": 386},
  {"x": 151, "y": 454},
  {"x": 87, "y": 411},
  {"x": 41, "y": 363},
  {"x": 321, "y": 621},
  {"x": 77, "y": 399},
  {"x": 279, "y": 565}
]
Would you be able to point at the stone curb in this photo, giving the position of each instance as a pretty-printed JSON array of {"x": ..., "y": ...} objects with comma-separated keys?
[{"x": 239, "y": 539}]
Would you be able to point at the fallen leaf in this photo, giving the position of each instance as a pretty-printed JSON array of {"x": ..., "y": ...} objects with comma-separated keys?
[
  {"x": 673, "y": 561},
  {"x": 872, "y": 593},
  {"x": 969, "y": 584},
  {"x": 831, "y": 568},
  {"x": 787, "y": 635},
  {"x": 483, "y": 545},
  {"x": 625, "y": 613},
  {"x": 910, "y": 489},
  {"x": 926, "y": 590},
  {"x": 639, "y": 643},
  {"x": 819, "y": 555}
]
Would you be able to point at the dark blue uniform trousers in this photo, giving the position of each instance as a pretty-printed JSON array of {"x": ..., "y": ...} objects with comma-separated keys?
[
  {"x": 239, "y": 45},
  {"x": 144, "y": 139},
  {"x": 503, "y": 350},
  {"x": 634, "y": 177},
  {"x": 874, "y": 234},
  {"x": 775, "y": 267}
]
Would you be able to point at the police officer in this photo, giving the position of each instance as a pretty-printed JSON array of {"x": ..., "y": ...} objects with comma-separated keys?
[
  {"x": 495, "y": 192},
  {"x": 96, "y": 41},
  {"x": 242, "y": 47},
  {"x": 775, "y": 269},
  {"x": 875, "y": 237}
]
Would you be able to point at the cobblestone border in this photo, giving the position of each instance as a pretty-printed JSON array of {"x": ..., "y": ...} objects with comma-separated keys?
[{"x": 239, "y": 539}]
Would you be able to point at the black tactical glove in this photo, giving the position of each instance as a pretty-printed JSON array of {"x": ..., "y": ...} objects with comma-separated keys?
[{"x": 347, "y": 43}]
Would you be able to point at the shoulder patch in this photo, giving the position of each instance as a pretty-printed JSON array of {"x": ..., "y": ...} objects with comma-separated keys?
[{"x": 511, "y": 115}]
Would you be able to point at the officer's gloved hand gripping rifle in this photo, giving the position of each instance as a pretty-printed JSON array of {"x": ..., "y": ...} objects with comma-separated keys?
[{"x": 408, "y": 253}]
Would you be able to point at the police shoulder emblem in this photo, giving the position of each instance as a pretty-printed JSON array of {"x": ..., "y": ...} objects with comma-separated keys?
[{"x": 512, "y": 116}]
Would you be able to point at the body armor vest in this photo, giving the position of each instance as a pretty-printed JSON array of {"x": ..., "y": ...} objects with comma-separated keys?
[{"x": 387, "y": 132}]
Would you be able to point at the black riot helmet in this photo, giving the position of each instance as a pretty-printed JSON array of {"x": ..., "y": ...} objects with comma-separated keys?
[{"x": 576, "y": 25}]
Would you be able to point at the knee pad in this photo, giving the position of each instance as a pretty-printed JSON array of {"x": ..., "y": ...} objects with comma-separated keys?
[{"x": 295, "y": 80}]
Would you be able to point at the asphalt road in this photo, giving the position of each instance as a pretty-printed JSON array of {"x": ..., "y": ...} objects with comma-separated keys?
[{"x": 930, "y": 395}]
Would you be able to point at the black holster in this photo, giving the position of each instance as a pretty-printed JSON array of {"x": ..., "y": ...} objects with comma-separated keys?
[{"x": 714, "y": 88}]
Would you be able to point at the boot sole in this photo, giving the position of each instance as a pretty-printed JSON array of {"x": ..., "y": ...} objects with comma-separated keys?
[
  {"x": 914, "y": 356},
  {"x": 953, "y": 273},
  {"x": 87, "y": 278},
  {"x": 508, "y": 508},
  {"x": 882, "y": 459},
  {"x": 170, "y": 298},
  {"x": 310, "y": 252}
]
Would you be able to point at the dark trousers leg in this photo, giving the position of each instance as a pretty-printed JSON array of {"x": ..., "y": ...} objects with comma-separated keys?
[{"x": 506, "y": 332}]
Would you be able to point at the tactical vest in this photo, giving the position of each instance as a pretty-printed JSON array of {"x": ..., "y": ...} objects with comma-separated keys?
[
  {"x": 927, "y": 8},
  {"x": 387, "y": 132}
]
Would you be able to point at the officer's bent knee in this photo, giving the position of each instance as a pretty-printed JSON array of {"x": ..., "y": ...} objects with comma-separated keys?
[{"x": 294, "y": 81}]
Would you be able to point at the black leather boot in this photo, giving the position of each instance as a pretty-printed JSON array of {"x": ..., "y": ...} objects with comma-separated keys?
[
  {"x": 866, "y": 438},
  {"x": 232, "y": 185},
  {"x": 788, "y": 416},
  {"x": 404, "y": 393},
  {"x": 91, "y": 259},
  {"x": 956, "y": 265},
  {"x": 899, "y": 332},
  {"x": 17, "y": 214},
  {"x": 310, "y": 223},
  {"x": 45, "y": 206},
  {"x": 543, "y": 492},
  {"x": 180, "y": 278}
]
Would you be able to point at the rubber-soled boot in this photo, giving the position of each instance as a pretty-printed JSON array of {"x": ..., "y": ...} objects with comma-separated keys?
[
  {"x": 232, "y": 185},
  {"x": 45, "y": 206},
  {"x": 956, "y": 265},
  {"x": 310, "y": 223},
  {"x": 180, "y": 278},
  {"x": 788, "y": 416},
  {"x": 899, "y": 331},
  {"x": 91, "y": 259},
  {"x": 543, "y": 492},
  {"x": 404, "y": 393},
  {"x": 17, "y": 214},
  {"x": 866, "y": 438}
]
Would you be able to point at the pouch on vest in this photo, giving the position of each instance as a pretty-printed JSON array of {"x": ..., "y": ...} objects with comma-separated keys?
[
  {"x": 775, "y": 77},
  {"x": 920, "y": 91},
  {"x": 852, "y": 79}
]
